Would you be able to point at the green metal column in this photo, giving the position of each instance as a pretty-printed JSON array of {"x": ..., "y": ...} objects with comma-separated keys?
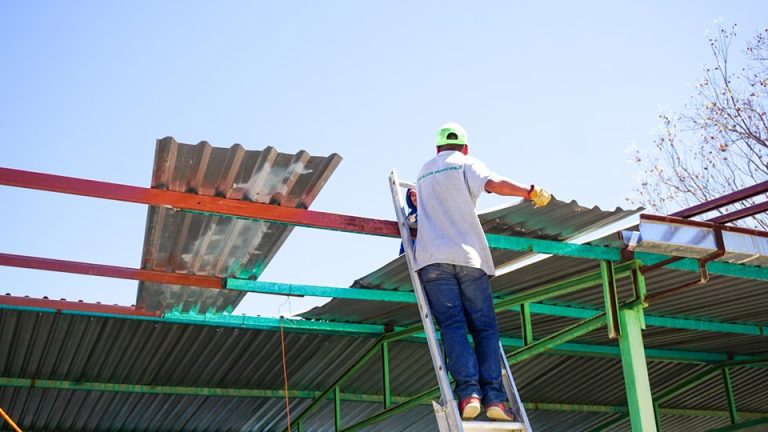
[
  {"x": 525, "y": 323},
  {"x": 636, "y": 370},
  {"x": 337, "y": 407},
  {"x": 385, "y": 373},
  {"x": 729, "y": 394},
  {"x": 611, "y": 297}
]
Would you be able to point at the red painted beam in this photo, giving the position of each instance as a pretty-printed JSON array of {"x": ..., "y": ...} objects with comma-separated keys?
[
  {"x": 703, "y": 224},
  {"x": 110, "y": 271},
  {"x": 79, "y": 306},
  {"x": 742, "y": 213},
  {"x": 733, "y": 197},
  {"x": 202, "y": 203}
]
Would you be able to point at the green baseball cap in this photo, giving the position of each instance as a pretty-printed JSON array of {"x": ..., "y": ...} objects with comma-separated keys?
[{"x": 451, "y": 133}]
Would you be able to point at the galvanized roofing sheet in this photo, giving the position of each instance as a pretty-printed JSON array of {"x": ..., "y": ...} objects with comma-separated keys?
[
  {"x": 192, "y": 243},
  {"x": 559, "y": 220},
  {"x": 88, "y": 347}
]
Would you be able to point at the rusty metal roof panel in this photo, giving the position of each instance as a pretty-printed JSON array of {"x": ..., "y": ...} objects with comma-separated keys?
[{"x": 193, "y": 243}]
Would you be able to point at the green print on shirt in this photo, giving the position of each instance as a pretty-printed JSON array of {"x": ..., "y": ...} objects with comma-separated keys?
[{"x": 453, "y": 168}]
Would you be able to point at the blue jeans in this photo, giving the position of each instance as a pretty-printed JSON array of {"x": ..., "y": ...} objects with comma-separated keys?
[{"x": 460, "y": 299}]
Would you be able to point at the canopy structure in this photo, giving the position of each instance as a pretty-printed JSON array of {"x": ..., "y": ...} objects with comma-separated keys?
[{"x": 612, "y": 333}]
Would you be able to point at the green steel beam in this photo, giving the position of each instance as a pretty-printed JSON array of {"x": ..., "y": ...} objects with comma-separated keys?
[
  {"x": 319, "y": 291},
  {"x": 563, "y": 287},
  {"x": 423, "y": 398},
  {"x": 580, "y": 312},
  {"x": 742, "y": 426},
  {"x": 375, "y": 330},
  {"x": 335, "y": 387},
  {"x": 635, "y": 368},
  {"x": 729, "y": 395},
  {"x": 525, "y": 323},
  {"x": 702, "y": 376},
  {"x": 517, "y": 356},
  {"x": 181, "y": 390},
  {"x": 553, "y": 247},
  {"x": 537, "y": 308},
  {"x": 685, "y": 384},
  {"x": 713, "y": 267},
  {"x": 556, "y": 339},
  {"x": 625, "y": 410}
]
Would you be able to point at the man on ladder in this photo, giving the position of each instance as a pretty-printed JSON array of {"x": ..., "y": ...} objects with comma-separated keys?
[{"x": 454, "y": 264}]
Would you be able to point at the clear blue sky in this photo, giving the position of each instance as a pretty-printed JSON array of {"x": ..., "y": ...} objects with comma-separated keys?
[{"x": 549, "y": 92}]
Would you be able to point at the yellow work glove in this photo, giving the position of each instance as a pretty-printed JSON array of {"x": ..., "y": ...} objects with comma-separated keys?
[{"x": 539, "y": 196}]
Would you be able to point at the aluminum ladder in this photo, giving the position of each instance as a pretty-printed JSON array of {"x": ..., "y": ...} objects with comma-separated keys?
[{"x": 447, "y": 409}]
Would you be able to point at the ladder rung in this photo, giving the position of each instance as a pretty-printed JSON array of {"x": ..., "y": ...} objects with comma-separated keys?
[{"x": 470, "y": 426}]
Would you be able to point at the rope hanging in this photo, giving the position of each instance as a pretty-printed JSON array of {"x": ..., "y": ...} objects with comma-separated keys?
[{"x": 285, "y": 375}]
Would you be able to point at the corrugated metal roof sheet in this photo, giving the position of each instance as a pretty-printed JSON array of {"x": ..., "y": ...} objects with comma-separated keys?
[
  {"x": 92, "y": 348},
  {"x": 557, "y": 221},
  {"x": 202, "y": 244}
]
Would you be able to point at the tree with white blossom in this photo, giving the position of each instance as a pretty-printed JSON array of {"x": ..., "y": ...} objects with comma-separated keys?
[{"x": 719, "y": 142}]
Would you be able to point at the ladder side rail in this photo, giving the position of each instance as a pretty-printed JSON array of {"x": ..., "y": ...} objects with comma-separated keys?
[
  {"x": 449, "y": 405},
  {"x": 512, "y": 393}
]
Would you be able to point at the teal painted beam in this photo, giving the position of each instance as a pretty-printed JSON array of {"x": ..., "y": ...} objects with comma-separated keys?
[
  {"x": 320, "y": 291},
  {"x": 536, "y": 308},
  {"x": 686, "y": 384},
  {"x": 541, "y": 406},
  {"x": 182, "y": 390},
  {"x": 714, "y": 267},
  {"x": 307, "y": 394},
  {"x": 579, "y": 312},
  {"x": 375, "y": 330},
  {"x": 553, "y": 247},
  {"x": 556, "y": 339}
]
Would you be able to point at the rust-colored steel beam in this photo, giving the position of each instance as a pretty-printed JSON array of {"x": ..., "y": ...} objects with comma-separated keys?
[
  {"x": 733, "y": 197},
  {"x": 741, "y": 213},
  {"x": 77, "y": 306},
  {"x": 201, "y": 203},
  {"x": 109, "y": 271},
  {"x": 703, "y": 224}
]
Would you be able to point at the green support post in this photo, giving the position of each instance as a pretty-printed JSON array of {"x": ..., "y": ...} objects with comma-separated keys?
[
  {"x": 638, "y": 283},
  {"x": 385, "y": 373},
  {"x": 300, "y": 426},
  {"x": 337, "y": 407},
  {"x": 611, "y": 298},
  {"x": 633, "y": 362},
  {"x": 729, "y": 394},
  {"x": 525, "y": 323}
]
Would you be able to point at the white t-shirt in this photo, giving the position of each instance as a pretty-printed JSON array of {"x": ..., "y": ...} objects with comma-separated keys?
[{"x": 449, "y": 231}]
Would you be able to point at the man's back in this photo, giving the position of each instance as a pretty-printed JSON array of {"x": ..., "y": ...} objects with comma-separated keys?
[{"x": 448, "y": 187}]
